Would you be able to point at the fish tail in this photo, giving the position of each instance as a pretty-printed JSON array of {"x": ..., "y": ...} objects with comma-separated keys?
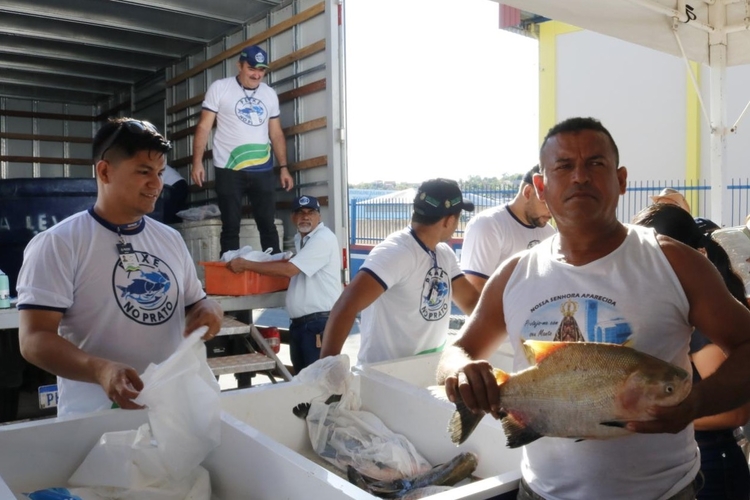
[{"x": 463, "y": 422}]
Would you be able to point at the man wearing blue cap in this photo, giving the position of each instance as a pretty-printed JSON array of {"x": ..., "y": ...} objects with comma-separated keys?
[
  {"x": 406, "y": 285},
  {"x": 315, "y": 285},
  {"x": 247, "y": 129}
]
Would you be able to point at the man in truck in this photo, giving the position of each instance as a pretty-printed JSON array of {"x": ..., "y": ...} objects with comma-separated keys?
[
  {"x": 315, "y": 273},
  {"x": 107, "y": 291},
  {"x": 247, "y": 130}
]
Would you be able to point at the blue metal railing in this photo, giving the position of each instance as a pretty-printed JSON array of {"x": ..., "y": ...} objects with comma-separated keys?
[{"x": 371, "y": 221}]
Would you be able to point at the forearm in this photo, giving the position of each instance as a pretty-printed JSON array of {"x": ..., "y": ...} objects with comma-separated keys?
[
  {"x": 726, "y": 389},
  {"x": 337, "y": 330},
  {"x": 200, "y": 140},
  {"x": 726, "y": 420},
  {"x": 278, "y": 144},
  {"x": 56, "y": 355},
  {"x": 281, "y": 268}
]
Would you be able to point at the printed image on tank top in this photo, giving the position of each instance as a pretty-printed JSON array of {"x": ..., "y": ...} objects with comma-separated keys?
[{"x": 577, "y": 317}]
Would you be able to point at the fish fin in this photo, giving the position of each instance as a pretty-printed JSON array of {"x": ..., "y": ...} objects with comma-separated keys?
[
  {"x": 333, "y": 399},
  {"x": 301, "y": 410},
  {"x": 537, "y": 350},
  {"x": 518, "y": 434},
  {"x": 438, "y": 391},
  {"x": 614, "y": 423},
  {"x": 463, "y": 422},
  {"x": 500, "y": 376}
]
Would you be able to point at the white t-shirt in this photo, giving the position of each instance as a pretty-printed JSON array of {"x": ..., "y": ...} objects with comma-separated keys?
[
  {"x": 413, "y": 314},
  {"x": 492, "y": 236},
  {"x": 241, "y": 138},
  {"x": 318, "y": 285},
  {"x": 631, "y": 295},
  {"x": 135, "y": 317}
]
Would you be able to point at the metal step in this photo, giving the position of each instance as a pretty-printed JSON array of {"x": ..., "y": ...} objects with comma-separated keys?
[
  {"x": 230, "y": 326},
  {"x": 241, "y": 363}
]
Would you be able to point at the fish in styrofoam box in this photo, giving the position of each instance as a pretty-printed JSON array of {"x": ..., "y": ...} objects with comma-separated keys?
[
  {"x": 405, "y": 409},
  {"x": 736, "y": 242}
]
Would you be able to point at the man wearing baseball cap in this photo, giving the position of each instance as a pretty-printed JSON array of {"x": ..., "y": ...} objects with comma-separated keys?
[
  {"x": 248, "y": 128},
  {"x": 315, "y": 273},
  {"x": 406, "y": 285}
]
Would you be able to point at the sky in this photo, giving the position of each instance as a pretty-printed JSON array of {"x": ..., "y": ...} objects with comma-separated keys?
[{"x": 436, "y": 89}]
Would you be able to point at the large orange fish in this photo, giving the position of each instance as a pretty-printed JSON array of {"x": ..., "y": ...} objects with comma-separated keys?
[{"x": 580, "y": 390}]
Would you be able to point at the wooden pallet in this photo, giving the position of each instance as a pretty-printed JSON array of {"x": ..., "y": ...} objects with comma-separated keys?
[{"x": 241, "y": 363}]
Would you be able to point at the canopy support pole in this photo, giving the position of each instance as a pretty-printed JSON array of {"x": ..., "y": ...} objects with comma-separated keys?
[{"x": 718, "y": 63}]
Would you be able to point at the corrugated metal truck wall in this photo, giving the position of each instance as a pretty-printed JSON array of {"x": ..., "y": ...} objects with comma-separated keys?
[
  {"x": 45, "y": 139},
  {"x": 302, "y": 39}
]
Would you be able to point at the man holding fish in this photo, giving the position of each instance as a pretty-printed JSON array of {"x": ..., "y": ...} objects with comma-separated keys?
[{"x": 595, "y": 281}]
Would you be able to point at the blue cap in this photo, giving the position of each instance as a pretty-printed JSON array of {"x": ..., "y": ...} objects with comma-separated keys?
[
  {"x": 255, "y": 57},
  {"x": 305, "y": 202}
]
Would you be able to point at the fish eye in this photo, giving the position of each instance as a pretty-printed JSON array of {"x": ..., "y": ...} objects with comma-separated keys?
[{"x": 670, "y": 389}]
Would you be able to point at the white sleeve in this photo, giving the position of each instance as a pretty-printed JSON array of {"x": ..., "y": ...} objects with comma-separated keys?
[
  {"x": 315, "y": 254},
  {"x": 274, "y": 109},
  {"x": 212, "y": 98},
  {"x": 389, "y": 263},
  {"x": 481, "y": 248},
  {"x": 47, "y": 276}
]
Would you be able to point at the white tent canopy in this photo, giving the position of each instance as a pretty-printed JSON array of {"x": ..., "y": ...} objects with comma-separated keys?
[{"x": 712, "y": 32}]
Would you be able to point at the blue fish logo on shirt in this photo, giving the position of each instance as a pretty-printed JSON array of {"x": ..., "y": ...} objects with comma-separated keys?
[
  {"x": 435, "y": 295},
  {"x": 149, "y": 295},
  {"x": 251, "y": 111}
]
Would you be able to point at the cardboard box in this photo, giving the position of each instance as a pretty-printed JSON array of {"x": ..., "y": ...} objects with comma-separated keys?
[{"x": 221, "y": 281}]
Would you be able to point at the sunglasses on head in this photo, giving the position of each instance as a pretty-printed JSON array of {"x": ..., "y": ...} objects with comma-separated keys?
[{"x": 134, "y": 127}]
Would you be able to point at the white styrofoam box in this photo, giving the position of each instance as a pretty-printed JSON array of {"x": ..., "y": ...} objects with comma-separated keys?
[
  {"x": 420, "y": 370},
  {"x": 405, "y": 409},
  {"x": 247, "y": 464},
  {"x": 202, "y": 238}
]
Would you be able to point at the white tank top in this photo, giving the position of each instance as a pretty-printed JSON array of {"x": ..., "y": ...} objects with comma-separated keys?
[{"x": 632, "y": 295}]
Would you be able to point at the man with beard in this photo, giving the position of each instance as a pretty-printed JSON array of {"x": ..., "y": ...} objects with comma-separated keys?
[
  {"x": 315, "y": 273},
  {"x": 406, "y": 285},
  {"x": 495, "y": 234}
]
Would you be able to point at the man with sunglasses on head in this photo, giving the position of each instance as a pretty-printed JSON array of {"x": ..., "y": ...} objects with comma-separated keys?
[
  {"x": 248, "y": 128},
  {"x": 107, "y": 291}
]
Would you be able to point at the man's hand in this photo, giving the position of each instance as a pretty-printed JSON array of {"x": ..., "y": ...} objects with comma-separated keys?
[
  {"x": 204, "y": 313},
  {"x": 475, "y": 384},
  {"x": 287, "y": 182},
  {"x": 198, "y": 174},
  {"x": 121, "y": 383},
  {"x": 670, "y": 419},
  {"x": 236, "y": 265}
]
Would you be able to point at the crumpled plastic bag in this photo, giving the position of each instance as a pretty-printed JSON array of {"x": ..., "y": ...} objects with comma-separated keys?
[
  {"x": 248, "y": 253},
  {"x": 200, "y": 213},
  {"x": 344, "y": 435},
  {"x": 161, "y": 459}
]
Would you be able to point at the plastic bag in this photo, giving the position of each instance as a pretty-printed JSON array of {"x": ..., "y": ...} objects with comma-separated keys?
[
  {"x": 344, "y": 435},
  {"x": 160, "y": 460},
  {"x": 248, "y": 253},
  {"x": 200, "y": 213}
]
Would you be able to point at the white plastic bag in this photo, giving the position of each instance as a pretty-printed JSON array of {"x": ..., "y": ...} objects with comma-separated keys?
[
  {"x": 161, "y": 460},
  {"x": 248, "y": 253},
  {"x": 344, "y": 435},
  {"x": 200, "y": 213}
]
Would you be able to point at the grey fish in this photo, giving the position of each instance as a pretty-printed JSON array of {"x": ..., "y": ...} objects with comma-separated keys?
[
  {"x": 582, "y": 390},
  {"x": 447, "y": 474}
]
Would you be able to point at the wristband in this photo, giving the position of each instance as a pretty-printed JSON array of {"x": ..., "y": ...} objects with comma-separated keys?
[{"x": 283, "y": 166}]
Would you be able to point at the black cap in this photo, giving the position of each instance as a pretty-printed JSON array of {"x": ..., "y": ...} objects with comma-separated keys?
[
  {"x": 706, "y": 225},
  {"x": 305, "y": 202},
  {"x": 439, "y": 198}
]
